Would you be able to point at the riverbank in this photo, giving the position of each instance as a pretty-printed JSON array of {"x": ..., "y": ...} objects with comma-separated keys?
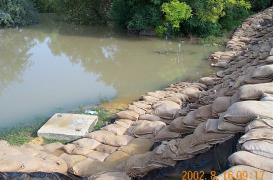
[{"x": 180, "y": 128}]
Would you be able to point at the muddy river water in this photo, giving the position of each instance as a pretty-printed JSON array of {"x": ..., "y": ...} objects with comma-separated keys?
[{"x": 53, "y": 67}]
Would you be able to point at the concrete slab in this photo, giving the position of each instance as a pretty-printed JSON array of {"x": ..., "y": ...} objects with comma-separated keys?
[{"x": 65, "y": 126}]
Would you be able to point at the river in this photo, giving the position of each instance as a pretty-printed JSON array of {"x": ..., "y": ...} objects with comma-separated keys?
[{"x": 55, "y": 67}]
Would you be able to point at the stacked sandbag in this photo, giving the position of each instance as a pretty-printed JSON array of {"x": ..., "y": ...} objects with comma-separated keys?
[
  {"x": 255, "y": 91},
  {"x": 29, "y": 159},
  {"x": 112, "y": 175}
]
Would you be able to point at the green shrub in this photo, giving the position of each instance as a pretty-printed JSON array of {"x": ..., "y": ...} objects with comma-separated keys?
[
  {"x": 17, "y": 13},
  {"x": 258, "y": 5},
  {"x": 47, "y": 6}
]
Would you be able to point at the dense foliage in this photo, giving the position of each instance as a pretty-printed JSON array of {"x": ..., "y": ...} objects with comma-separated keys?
[
  {"x": 166, "y": 17},
  {"x": 17, "y": 12}
]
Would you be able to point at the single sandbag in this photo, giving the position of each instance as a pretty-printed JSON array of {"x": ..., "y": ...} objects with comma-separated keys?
[
  {"x": 246, "y": 111},
  {"x": 71, "y": 160},
  {"x": 137, "y": 146},
  {"x": 109, "y": 138},
  {"x": 250, "y": 159},
  {"x": 149, "y": 117},
  {"x": 106, "y": 148},
  {"x": 128, "y": 115},
  {"x": 166, "y": 109},
  {"x": 112, "y": 175},
  {"x": 193, "y": 93},
  {"x": 255, "y": 91},
  {"x": 142, "y": 105},
  {"x": 166, "y": 134},
  {"x": 136, "y": 109},
  {"x": 91, "y": 167},
  {"x": 84, "y": 146},
  {"x": 225, "y": 126},
  {"x": 267, "y": 97},
  {"x": 240, "y": 171},
  {"x": 221, "y": 104},
  {"x": 191, "y": 120},
  {"x": 178, "y": 126},
  {"x": 259, "y": 147},
  {"x": 143, "y": 127},
  {"x": 124, "y": 122},
  {"x": 115, "y": 128},
  {"x": 259, "y": 123},
  {"x": 263, "y": 71},
  {"x": 204, "y": 112},
  {"x": 96, "y": 155},
  {"x": 257, "y": 134},
  {"x": 117, "y": 156}
]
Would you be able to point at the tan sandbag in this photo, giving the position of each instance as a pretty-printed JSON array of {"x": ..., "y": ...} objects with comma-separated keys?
[
  {"x": 191, "y": 119},
  {"x": 143, "y": 127},
  {"x": 257, "y": 134},
  {"x": 209, "y": 81},
  {"x": 115, "y": 128},
  {"x": 96, "y": 155},
  {"x": 259, "y": 147},
  {"x": 255, "y": 91},
  {"x": 128, "y": 115},
  {"x": 91, "y": 167},
  {"x": 203, "y": 137},
  {"x": 211, "y": 125},
  {"x": 137, "y": 146},
  {"x": 112, "y": 175},
  {"x": 71, "y": 160},
  {"x": 149, "y": 117},
  {"x": 106, "y": 148},
  {"x": 263, "y": 71},
  {"x": 259, "y": 123},
  {"x": 136, "y": 109},
  {"x": 192, "y": 92},
  {"x": 166, "y": 134},
  {"x": 150, "y": 99},
  {"x": 166, "y": 109},
  {"x": 174, "y": 99},
  {"x": 109, "y": 138},
  {"x": 124, "y": 122},
  {"x": 178, "y": 126},
  {"x": 240, "y": 171},
  {"x": 221, "y": 104},
  {"x": 250, "y": 159},
  {"x": 157, "y": 94},
  {"x": 68, "y": 148},
  {"x": 84, "y": 146},
  {"x": 246, "y": 111},
  {"x": 142, "y": 105},
  {"x": 54, "y": 148},
  {"x": 139, "y": 165},
  {"x": 117, "y": 156},
  {"x": 229, "y": 127},
  {"x": 8, "y": 165},
  {"x": 204, "y": 112}
]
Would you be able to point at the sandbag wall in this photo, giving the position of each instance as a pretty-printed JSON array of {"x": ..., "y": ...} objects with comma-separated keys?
[{"x": 186, "y": 119}]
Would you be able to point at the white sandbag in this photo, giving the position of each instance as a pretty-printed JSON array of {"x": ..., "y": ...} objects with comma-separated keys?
[
  {"x": 267, "y": 97},
  {"x": 128, "y": 115},
  {"x": 166, "y": 109},
  {"x": 263, "y": 71},
  {"x": 259, "y": 123},
  {"x": 257, "y": 134},
  {"x": 259, "y": 147},
  {"x": 255, "y": 91},
  {"x": 109, "y": 138},
  {"x": 246, "y": 111},
  {"x": 250, "y": 159}
]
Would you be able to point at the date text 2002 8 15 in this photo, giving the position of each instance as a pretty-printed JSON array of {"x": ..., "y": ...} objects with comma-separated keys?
[{"x": 227, "y": 175}]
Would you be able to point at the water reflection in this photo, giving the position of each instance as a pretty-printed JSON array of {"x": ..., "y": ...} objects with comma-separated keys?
[{"x": 56, "y": 67}]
